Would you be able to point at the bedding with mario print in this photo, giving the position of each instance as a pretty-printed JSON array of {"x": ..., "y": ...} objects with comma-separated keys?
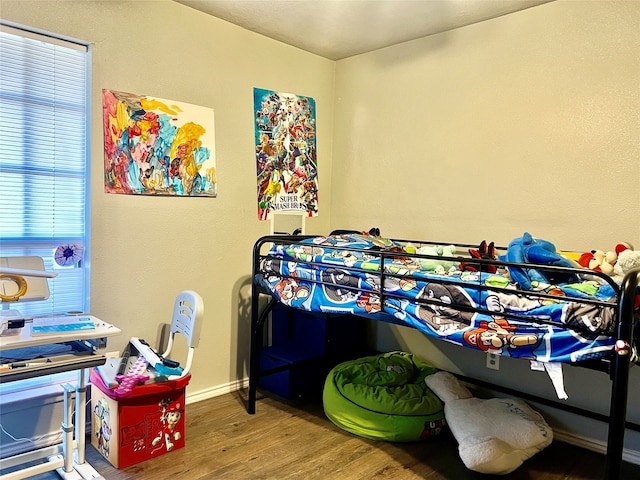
[{"x": 362, "y": 274}]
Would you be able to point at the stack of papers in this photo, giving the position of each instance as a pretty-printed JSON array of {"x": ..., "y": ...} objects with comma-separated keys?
[{"x": 61, "y": 324}]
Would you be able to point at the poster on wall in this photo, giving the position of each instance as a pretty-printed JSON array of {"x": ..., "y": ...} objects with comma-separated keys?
[
  {"x": 285, "y": 139},
  {"x": 154, "y": 146}
]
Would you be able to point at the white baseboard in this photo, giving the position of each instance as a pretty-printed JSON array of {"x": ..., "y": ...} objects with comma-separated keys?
[
  {"x": 193, "y": 397},
  {"x": 631, "y": 456}
]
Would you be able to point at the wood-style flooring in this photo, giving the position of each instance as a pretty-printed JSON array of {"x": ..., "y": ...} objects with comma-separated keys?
[{"x": 292, "y": 440}]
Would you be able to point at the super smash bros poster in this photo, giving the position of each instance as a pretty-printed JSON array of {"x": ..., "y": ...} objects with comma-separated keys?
[{"x": 285, "y": 139}]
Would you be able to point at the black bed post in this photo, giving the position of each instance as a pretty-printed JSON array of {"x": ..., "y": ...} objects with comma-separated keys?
[
  {"x": 258, "y": 319},
  {"x": 620, "y": 376},
  {"x": 256, "y": 331},
  {"x": 254, "y": 355}
]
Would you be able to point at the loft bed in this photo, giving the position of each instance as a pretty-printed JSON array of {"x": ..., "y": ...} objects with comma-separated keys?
[{"x": 541, "y": 307}]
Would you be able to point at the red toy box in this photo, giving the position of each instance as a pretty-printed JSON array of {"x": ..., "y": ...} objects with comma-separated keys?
[{"x": 146, "y": 424}]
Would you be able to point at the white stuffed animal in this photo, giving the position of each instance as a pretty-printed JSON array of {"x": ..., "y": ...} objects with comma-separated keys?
[
  {"x": 494, "y": 436},
  {"x": 627, "y": 260}
]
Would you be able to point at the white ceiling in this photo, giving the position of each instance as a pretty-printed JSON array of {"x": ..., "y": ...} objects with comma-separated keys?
[{"x": 338, "y": 29}]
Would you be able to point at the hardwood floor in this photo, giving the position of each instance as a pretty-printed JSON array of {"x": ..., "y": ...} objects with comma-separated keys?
[{"x": 289, "y": 440}]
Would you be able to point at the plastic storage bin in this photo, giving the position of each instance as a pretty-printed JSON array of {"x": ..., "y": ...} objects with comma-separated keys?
[{"x": 304, "y": 347}]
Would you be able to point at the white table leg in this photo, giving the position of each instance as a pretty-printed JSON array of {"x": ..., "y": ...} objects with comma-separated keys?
[
  {"x": 67, "y": 428},
  {"x": 81, "y": 415}
]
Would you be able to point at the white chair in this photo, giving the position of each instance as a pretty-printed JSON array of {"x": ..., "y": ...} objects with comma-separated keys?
[{"x": 188, "y": 312}]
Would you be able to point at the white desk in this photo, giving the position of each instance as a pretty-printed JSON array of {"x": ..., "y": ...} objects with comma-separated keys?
[{"x": 60, "y": 457}]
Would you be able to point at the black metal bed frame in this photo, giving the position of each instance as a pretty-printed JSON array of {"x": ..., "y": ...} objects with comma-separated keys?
[{"x": 617, "y": 365}]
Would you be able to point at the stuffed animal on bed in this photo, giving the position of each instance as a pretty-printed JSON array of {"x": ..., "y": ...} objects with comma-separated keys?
[
  {"x": 537, "y": 251},
  {"x": 600, "y": 261},
  {"x": 440, "y": 265},
  {"x": 495, "y": 435},
  {"x": 626, "y": 259},
  {"x": 485, "y": 251}
]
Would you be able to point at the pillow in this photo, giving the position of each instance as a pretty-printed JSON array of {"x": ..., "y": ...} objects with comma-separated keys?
[{"x": 494, "y": 436}]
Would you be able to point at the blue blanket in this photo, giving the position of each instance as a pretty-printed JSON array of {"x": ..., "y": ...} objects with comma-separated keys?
[{"x": 566, "y": 322}]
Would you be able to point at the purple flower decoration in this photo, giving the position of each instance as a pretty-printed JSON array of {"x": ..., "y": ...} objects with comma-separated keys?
[{"x": 68, "y": 255}]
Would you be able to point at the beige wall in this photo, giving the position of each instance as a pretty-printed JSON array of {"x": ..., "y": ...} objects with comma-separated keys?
[
  {"x": 524, "y": 122},
  {"x": 145, "y": 250},
  {"x": 528, "y": 122}
]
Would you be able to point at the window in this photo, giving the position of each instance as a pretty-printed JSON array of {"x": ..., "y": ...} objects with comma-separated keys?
[{"x": 44, "y": 201}]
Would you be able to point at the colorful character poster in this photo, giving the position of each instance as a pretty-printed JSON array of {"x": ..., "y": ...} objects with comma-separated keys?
[
  {"x": 154, "y": 146},
  {"x": 286, "y": 161}
]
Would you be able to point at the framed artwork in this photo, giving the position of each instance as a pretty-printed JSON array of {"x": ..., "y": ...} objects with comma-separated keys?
[
  {"x": 154, "y": 146},
  {"x": 285, "y": 140}
]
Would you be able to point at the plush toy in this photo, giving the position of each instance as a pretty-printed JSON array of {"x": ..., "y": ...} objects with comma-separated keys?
[
  {"x": 537, "y": 252},
  {"x": 485, "y": 251},
  {"x": 628, "y": 259},
  {"x": 494, "y": 436},
  {"x": 600, "y": 261},
  {"x": 437, "y": 265}
]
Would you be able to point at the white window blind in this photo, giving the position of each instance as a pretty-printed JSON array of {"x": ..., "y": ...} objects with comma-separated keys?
[{"x": 43, "y": 160}]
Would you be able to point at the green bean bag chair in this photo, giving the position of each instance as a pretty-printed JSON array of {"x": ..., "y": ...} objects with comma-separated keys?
[{"x": 384, "y": 397}]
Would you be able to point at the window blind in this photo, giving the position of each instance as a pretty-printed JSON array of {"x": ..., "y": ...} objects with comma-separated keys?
[{"x": 43, "y": 161}]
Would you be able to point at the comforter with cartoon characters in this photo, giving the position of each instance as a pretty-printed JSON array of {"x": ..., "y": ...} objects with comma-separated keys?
[{"x": 567, "y": 321}]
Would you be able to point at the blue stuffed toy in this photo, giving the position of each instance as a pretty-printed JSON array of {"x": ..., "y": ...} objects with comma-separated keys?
[{"x": 539, "y": 252}]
